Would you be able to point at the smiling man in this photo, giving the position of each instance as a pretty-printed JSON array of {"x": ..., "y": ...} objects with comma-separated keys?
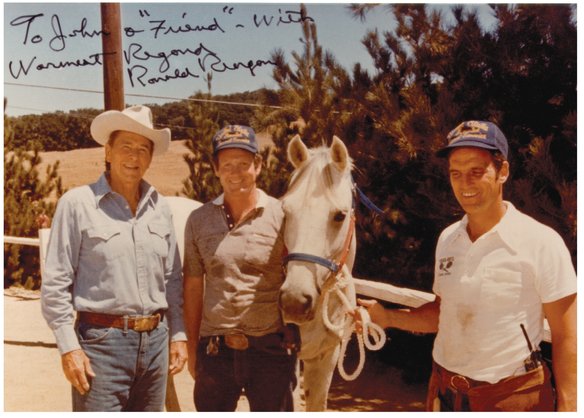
[
  {"x": 233, "y": 254},
  {"x": 113, "y": 261},
  {"x": 498, "y": 273}
]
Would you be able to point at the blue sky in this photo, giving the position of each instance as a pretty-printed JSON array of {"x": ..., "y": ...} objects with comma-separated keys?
[{"x": 42, "y": 40}]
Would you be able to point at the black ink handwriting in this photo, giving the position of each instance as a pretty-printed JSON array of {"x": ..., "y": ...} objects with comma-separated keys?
[
  {"x": 160, "y": 27},
  {"x": 291, "y": 16},
  {"x": 59, "y": 38},
  {"x": 206, "y": 60},
  {"x": 137, "y": 75},
  {"x": 23, "y": 68},
  {"x": 57, "y": 42},
  {"x": 27, "y": 20}
]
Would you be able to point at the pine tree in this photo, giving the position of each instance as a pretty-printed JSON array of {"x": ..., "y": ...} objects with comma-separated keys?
[
  {"x": 26, "y": 197},
  {"x": 202, "y": 185},
  {"x": 308, "y": 105},
  {"x": 429, "y": 77}
]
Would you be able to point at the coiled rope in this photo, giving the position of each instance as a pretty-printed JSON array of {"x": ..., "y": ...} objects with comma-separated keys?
[{"x": 371, "y": 336}]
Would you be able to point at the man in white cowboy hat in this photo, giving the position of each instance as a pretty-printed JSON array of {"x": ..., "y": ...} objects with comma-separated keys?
[{"x": 112, "y": 285}]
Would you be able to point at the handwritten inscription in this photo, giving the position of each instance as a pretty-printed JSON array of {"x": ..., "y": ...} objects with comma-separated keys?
[{"x": 146, "y": 61}]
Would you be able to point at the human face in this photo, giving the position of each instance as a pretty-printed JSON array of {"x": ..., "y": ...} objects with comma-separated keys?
[
  {"x": 129, "y": 155},
  {"x": 477, "y": 186},
  {"x": 237, "y": 171}
]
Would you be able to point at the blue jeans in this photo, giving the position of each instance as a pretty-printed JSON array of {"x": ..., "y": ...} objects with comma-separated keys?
[
  {"x": 130, "y": 368},
  {"x": 266, "y": 374}
]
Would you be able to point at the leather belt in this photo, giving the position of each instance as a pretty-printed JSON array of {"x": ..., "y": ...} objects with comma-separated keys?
[
  {"x": 454, "y": 387},
  {"x": 241, "y": 342},
  {"x": 456, "y": 382},
  {"x": 138, "y": 323}
]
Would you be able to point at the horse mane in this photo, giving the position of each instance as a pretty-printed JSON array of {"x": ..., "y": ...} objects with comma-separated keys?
[{"x": 317, "y": 174}]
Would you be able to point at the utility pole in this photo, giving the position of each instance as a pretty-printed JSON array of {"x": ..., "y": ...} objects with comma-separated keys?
[
  {"x": 113, "y": 86},
  {"x": 113, "y": 67}
]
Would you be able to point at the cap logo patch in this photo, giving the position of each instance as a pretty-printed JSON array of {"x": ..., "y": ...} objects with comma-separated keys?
[{"x": 474, "y": 129}]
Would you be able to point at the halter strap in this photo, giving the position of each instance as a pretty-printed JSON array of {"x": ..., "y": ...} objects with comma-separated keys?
[
  {"x": 332, "y": 265},
  {"x": 329, "y": 264}
]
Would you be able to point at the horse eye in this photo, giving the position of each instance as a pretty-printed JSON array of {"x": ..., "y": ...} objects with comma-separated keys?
[{"x": 339, "y": 216}]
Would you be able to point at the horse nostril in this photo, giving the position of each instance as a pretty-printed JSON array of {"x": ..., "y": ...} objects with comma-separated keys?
[
  {"x": 307, "y": 305},
  {"x": 295, "y": 304}
]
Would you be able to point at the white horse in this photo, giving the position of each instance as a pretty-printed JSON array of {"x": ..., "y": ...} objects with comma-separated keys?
[{"x": 319, "y": 236}]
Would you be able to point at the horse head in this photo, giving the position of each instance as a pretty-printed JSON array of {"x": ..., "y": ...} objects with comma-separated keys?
[{"x": 319, "y": 225}]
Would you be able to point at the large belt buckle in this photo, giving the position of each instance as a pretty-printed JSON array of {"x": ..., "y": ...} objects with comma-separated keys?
[
  {"x": 146, "y": 323},
  {"x": 459, "y": 383},
  {"x": 236, "y": 341}
]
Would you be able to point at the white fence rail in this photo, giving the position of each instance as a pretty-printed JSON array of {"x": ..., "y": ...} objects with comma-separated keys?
[
  {"x": 182, "y": 207},
  {"x": 34, "y": 242}
]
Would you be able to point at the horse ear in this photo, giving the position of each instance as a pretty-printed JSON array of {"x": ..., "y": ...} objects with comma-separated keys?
[
  {"x": 297, "y": 151},
  {"x": 339, "y": 154}
]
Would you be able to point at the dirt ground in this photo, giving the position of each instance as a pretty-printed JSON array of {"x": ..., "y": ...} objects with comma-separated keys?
[{"x": 33, "y": 381}]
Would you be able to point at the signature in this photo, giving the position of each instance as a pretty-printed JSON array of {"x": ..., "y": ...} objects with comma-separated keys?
[
  {"x": 203, "y": 60},
  {"x": 146, "y": 65}
]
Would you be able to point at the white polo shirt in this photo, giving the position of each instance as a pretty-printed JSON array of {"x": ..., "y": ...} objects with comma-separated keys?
[{"x": 489, "y": 287}]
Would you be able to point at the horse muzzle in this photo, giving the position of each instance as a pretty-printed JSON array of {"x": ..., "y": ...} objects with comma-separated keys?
[{"x": 296, "y": 308}]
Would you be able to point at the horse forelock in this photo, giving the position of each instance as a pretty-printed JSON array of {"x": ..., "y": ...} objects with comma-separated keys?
[{"x": 315, "y": 174}]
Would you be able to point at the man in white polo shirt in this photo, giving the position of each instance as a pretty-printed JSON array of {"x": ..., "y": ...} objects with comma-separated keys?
[{"x": 498, "y": 273}]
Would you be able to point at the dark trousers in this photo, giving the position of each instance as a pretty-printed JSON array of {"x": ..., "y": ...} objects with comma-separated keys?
[{"x": 267, "y": 375}]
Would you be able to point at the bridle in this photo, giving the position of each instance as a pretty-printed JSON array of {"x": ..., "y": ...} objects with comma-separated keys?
[{"x": 335, "y": 266}]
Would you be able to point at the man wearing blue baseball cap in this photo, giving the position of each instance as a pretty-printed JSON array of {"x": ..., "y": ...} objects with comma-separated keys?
[
  {"x": 498, "y": 273},
  {"x": 233, "y": 252}
]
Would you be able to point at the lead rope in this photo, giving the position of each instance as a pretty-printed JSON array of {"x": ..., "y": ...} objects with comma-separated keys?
[{"x": 346, "y": 327}]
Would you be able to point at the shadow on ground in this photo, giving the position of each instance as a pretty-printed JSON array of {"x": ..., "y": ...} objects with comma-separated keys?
[{"x": 378, "y": 388}]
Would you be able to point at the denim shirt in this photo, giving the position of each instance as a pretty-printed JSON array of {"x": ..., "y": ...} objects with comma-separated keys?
[{"x": 102, "y": 258}]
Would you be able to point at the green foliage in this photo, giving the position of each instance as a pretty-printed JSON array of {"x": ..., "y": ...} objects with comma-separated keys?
[
  {"x": 56, "y": 131},
  {"x": 25, "y": 198},
  {"x": 308, "y": 104},
  {"x": 202, "y": 185}
]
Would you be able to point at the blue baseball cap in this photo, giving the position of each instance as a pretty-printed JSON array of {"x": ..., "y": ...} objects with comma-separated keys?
[
  {"x": 235, "y": 136},
  {"x": 478, "y": 134}
]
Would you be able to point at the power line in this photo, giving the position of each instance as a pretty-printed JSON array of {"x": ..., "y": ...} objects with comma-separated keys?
[
  {"x": 25, "y": 108},
  {"x": 225, "y": 102}
]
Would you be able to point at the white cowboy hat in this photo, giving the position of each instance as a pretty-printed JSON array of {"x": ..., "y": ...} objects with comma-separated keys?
[{"x": 136, "y": 119}]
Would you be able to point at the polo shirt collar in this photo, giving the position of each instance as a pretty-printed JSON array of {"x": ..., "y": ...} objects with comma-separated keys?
[
  {"x": 505, "y": 229},
  {"x": 262, "y": 199}
]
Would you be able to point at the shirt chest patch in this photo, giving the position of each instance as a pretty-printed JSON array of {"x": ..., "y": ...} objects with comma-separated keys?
[{"x": 445, "y": 265}]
